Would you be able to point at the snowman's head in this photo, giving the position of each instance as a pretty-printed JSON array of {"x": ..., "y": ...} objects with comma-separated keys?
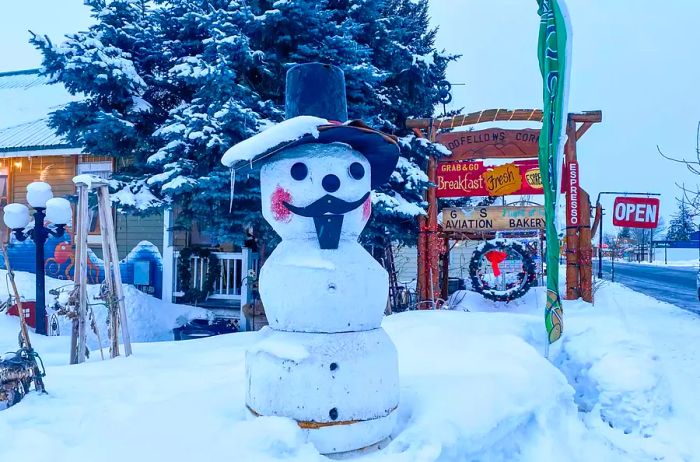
[{"x": 317, "y": 191}]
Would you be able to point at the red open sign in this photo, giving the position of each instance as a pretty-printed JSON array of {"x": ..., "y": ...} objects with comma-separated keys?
[{"x": 636, "y": 212}]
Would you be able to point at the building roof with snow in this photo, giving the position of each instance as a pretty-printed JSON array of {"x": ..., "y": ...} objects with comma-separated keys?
[{"x": 27, "y": 99}]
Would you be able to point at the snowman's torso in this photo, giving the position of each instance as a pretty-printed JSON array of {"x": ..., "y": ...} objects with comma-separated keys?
[{"x": 308, "y": 289}]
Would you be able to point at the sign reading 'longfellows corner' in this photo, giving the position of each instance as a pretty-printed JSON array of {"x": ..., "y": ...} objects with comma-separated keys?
[
  {"x": 491, "y": 143},
  {"x": 492, "y": 218}
]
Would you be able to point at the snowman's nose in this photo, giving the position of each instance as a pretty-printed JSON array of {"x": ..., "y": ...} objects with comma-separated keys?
[{"x": 330, "y": 183}]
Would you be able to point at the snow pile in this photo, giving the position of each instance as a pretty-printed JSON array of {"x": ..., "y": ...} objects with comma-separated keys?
[
  {"x": 617, "y": 375},
  {"x": 87, "y": 179},
  {"x": 472, "y": 391},
  {"x": 150, "y": 319},
  {"x": 276, "y": 135}
]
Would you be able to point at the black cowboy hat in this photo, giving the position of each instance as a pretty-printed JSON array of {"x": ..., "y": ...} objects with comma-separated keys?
[{"x": 316, "y": 112}]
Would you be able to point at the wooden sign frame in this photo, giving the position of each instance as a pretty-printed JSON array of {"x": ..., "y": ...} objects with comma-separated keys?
[{"x": 579, "y": 271}]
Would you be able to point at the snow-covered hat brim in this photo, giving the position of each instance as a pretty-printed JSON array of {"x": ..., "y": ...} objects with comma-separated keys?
[{"x": 380, "y": 150}]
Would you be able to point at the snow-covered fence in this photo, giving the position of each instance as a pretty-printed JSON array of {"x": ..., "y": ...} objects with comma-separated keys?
[{"x": 233, "y": 281}]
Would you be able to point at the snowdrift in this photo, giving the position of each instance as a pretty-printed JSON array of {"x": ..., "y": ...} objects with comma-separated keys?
[{"x": 475, "y": 386}]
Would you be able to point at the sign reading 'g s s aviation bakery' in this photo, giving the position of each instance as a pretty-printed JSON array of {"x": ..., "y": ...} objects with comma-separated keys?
[
  {"x": 492, "y": 218},
  {"x": 469, "y": 179}
]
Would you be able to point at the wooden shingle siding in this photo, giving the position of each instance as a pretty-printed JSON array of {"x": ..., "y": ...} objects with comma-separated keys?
[
  {"x": 132, "y": 229},
  {"x": 58, "y": 171}
]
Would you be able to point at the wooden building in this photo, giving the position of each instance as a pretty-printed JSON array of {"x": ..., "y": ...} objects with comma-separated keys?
[{"x": 30, "y": 150}]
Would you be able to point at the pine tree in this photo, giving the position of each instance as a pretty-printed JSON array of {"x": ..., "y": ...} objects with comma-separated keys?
[
  {"x": 625, "y": 233},
  {"x": 681, "y": 226},
  {"x": 170, "y": 85}
]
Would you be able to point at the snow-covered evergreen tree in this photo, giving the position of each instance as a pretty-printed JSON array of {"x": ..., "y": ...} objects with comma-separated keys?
[
  {"x": 681, "y": 225},
  {"x": 170, "y": 85}
]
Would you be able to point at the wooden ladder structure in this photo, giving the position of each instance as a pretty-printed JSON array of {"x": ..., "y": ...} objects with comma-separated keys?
[{"x": 113, "y": 279}]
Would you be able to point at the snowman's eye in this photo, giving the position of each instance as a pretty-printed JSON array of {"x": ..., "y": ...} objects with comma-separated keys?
[
  {"x": 299, "y": 171},
  {"x": 356, "y": 170}
]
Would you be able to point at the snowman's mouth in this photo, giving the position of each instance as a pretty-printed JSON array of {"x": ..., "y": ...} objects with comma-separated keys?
[{"x": 326, "y": 205}]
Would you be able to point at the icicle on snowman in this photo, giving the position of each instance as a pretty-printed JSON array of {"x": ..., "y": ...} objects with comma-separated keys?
[{"x": 324, "y": 361}]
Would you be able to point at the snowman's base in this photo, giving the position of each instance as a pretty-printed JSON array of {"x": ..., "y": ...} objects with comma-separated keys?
[{"x": 347, "y": 439}]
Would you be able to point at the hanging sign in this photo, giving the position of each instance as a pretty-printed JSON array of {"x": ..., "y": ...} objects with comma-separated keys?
[
  {"x": 503, "y": 180},
  {"x": 636, "y": 212},
  {"x": 573, "y": 187},
  {"x": 475, "y": 219},
  {"x": 466, "y": 179},
  {"x": 495, "y": 143}
]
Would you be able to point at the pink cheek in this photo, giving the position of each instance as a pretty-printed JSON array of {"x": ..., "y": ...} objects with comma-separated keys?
[
  {"x": 367, "y": 209},
  {"x": 279, "y": 211}
]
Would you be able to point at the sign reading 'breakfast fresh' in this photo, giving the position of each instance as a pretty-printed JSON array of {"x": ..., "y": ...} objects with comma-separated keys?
[{"x": 469, "y": 179}]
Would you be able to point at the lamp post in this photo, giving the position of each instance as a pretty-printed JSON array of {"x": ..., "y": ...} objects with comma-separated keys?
[{"x": 46, "y": 207}]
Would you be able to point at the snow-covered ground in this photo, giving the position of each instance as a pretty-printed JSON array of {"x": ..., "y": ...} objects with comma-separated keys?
[
  {"x": 683, "y": 263},
  {"x": 475, "y": 385},
  {"x": 150, "y": 319}
]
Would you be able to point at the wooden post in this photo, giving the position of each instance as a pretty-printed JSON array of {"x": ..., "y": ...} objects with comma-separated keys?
[
  {"x": 80, "y": 277},
  {"x": 75, "y": 325},
  {"x": 106, "y": 206},
  {"x": 445, "y": 283},
  {"x": 108, "y": 264},
  {"x": 428, "y": 286},
  {"x": 433, "y": 272},
  {"x": 572, "y": 251},
  {"x": 585, "y": 249}
]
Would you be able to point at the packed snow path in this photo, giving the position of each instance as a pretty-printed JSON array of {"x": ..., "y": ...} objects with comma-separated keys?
[{"x": 474, "y": 386}]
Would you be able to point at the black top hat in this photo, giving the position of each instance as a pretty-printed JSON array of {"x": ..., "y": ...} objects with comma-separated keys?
[{"x": 318, "y": 90}]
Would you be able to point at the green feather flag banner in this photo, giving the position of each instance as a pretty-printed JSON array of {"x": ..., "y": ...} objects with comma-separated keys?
[{"x": 554, "y": 57}]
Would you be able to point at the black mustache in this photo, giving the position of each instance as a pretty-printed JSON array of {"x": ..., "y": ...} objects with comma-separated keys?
[{"x": 324, "y": 205}]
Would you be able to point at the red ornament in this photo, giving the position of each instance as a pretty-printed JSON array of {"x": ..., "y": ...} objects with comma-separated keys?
[
  {"x": 495, "y": 257},
  {"x": 279, "y": 211}
]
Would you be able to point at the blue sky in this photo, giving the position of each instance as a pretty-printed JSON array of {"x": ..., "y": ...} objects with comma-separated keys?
[{"x": 636, "y": 60}]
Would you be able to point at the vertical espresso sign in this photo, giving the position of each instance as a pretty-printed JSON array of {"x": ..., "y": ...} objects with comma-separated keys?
[{"x": 572, "y": 206}]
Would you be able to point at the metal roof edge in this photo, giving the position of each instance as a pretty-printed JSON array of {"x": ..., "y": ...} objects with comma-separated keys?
[
  {"x": 20, "y": 72},
  {"x": 37, "y": 151}
]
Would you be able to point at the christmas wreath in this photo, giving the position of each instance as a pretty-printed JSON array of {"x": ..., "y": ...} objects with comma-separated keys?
[
  {"x": 502, "y": 270},
  {"x": 184, "y": 274}
]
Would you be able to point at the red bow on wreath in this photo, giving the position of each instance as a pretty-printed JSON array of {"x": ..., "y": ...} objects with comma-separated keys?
[{"x": 495, "y": 257}]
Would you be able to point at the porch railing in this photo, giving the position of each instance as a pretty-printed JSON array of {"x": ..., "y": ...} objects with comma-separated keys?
[{"x": 233, "y": 281}]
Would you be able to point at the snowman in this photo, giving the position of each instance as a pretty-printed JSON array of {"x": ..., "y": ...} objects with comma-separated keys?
[{"x": 324, "y": 360}]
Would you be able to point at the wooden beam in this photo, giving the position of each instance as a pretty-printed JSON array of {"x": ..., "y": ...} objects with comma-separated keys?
[
  {"x": 583, "y": 129},
  {"x": 498, "y": 115},
  {"x": 587, "y": 116},
  {"x": 112, "y": 310},
  {"x": 108, "y": 223},
  {"x": 489, "y": 115}
]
